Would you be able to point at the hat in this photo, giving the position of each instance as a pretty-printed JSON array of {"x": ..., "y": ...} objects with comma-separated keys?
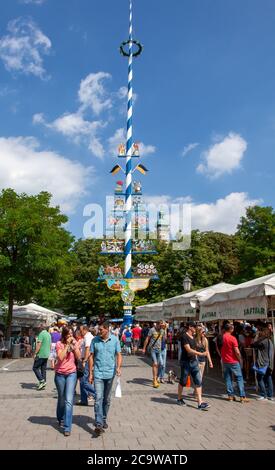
[{"x": 191, "y": 323}]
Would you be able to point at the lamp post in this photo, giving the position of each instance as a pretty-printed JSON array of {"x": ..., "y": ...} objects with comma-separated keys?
[{"x": 187, "y": 283}]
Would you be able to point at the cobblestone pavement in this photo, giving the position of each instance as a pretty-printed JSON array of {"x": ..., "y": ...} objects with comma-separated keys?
[{"x": 143, "y": 419}]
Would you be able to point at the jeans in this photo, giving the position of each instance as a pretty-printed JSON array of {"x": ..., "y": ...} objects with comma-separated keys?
[
  {"x": 39, "y": 368},
  {"x": 103, "y": 388},
  {"x": 162, "y": 363},
  {"x": 235, "y": 369},
  {"x": 85, "y": 387},
  {"x": 265, "y": 384},
  {"x": 157, "y": 357},
  {"x": 190, "y": 367},
  {"x": 65, "y": 385}
]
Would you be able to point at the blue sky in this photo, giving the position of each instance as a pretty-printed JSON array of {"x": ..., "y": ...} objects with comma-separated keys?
[{"x": 204, "y": 106}]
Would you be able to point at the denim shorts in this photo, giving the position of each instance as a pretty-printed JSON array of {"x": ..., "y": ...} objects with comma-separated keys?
[
  {"x": 156, "y": 356},
  {"x": 190, "y": 368}
]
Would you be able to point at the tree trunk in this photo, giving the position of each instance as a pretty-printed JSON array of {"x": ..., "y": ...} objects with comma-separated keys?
[{"x": 10, "y": 311}]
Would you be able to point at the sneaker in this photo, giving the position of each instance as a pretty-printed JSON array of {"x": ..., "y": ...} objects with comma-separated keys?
[
  {"x": 181, "y": 402},
  {"x": 99, "y": 430},
  {"x": 162, "y": 381},
  {"x": 156, "y": 384},
  {"x": 261, "y": 399},
  {"x": 67, "y": 433},
  {"x": 271, "y": 399},
  {"x": 158, "y": 380},
  {"x": 230, "y": 398},
  {"x": 41, "y": 385},
  {"x": 61, "y": 423},
  {"x": 244, "y": 400},
  {"x": 105, "y": 426},
  {"x": 203, "y": 406}
]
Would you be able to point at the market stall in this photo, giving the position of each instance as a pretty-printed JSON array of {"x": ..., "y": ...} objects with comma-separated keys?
[
  {"x": 187, "y": 305},
  {"x": 247, "y": 301},
  {"x": 150, "y": 312}
]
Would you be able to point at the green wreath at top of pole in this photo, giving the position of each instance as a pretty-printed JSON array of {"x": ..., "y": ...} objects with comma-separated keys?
[{"x": 127, "y": 54}]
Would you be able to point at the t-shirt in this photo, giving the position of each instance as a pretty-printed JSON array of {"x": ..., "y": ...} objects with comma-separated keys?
[
  {"x": 45, "y": 339},
  {"x": 227, "y": 350},
  {"x": 67, "y": 366},
  {"x": 185, "y": 339},
  {"x": 128, "y": 336},
  {"x": 86, "y": 343},
  {"x": 136, "y": 331},
  {"x": 155, "y": 338}
]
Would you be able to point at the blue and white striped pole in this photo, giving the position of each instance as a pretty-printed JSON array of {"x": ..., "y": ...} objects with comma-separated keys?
[
  {"x": 128, "y": 198},
  {"x": 128, "y": 319}
]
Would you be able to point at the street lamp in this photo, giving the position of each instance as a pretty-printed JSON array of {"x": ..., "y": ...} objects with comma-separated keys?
[{"x": 187, "y": 283}]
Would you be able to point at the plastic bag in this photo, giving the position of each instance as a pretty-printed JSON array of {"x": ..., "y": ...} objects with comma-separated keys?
[{"x": 118, "y": 388}]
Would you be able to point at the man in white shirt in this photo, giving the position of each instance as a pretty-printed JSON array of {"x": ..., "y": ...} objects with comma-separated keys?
[{"x": 86, "y": 388}]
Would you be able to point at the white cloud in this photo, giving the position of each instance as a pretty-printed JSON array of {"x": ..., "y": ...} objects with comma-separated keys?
[
  {"x": 222, "y": 215},
  {"x": 74, "y": 126},
  {"x": 34, "y": 2},
  {"x": 223, "y": 157},
  {"x": 27, "y": 169},
  {"x": 123, "y": 93},
  {"x": 146, "y": 149},
  {"x": 188, "y": 148},
  {"x": 96, "y": 147},
  {"x": 115, "y": 140},
  {"x": 21, "y": 50},
  {"x": 92, "y": 93}
]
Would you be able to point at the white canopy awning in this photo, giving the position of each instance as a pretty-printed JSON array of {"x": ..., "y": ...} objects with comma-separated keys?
[
  {"x": 150, "y": 312},
  {"x": 33, "y": 315},
  {"x": 185, "y": 305},
  {"x": 244, "y": 301}
]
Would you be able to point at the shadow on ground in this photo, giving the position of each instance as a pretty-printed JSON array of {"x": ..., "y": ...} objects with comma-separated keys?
[
  {"x": 30, "y": 386},
  {"x": 140, "y": 381},
  {"x": 84, "y": 422}
]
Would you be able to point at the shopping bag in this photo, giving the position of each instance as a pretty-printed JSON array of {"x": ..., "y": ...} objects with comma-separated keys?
[{"x": 118, "y": 388}]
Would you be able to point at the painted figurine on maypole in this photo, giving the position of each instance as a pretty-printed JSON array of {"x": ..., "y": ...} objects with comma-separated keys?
[{"x": 129, "y": 215}]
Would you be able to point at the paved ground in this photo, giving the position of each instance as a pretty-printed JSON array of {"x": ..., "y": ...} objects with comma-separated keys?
[{"x": 144, "y": 418}]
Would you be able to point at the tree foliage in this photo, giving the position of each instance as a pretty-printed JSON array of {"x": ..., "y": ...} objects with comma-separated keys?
[
  {"x": 34, "y": 246},
  {"x": 256, "y": 243}
]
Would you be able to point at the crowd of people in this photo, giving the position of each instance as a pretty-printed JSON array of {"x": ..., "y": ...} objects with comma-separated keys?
[{"x": 92, "y": 355}]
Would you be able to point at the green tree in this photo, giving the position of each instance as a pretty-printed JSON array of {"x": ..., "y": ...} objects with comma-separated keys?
[
  {"x": 256, "y": 243},
  {"x": 84, "y": 295},
  {"x": 34, "y": 246}
]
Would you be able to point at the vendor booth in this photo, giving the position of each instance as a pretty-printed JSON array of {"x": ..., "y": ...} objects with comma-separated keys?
[
  {"x": 247, "y": 301},
  {"x": 185, "y": 306},
  {"x": 150, "y": 312}
]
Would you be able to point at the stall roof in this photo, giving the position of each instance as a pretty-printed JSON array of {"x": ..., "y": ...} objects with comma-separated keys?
[
  {"x": 259, "y": 287},
  {"x": 205, "y": 292}
]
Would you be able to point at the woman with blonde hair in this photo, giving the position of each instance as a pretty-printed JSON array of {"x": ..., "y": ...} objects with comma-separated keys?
[{"x": 202, "y": 346}]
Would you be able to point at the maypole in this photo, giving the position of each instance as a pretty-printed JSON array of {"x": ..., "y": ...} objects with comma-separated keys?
[
  {"x": 129, "y": 211},
  {"x": 129, "y": 145}
]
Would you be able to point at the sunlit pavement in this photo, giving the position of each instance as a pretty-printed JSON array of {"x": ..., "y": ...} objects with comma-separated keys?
[{"x": 144, "y": 418}]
